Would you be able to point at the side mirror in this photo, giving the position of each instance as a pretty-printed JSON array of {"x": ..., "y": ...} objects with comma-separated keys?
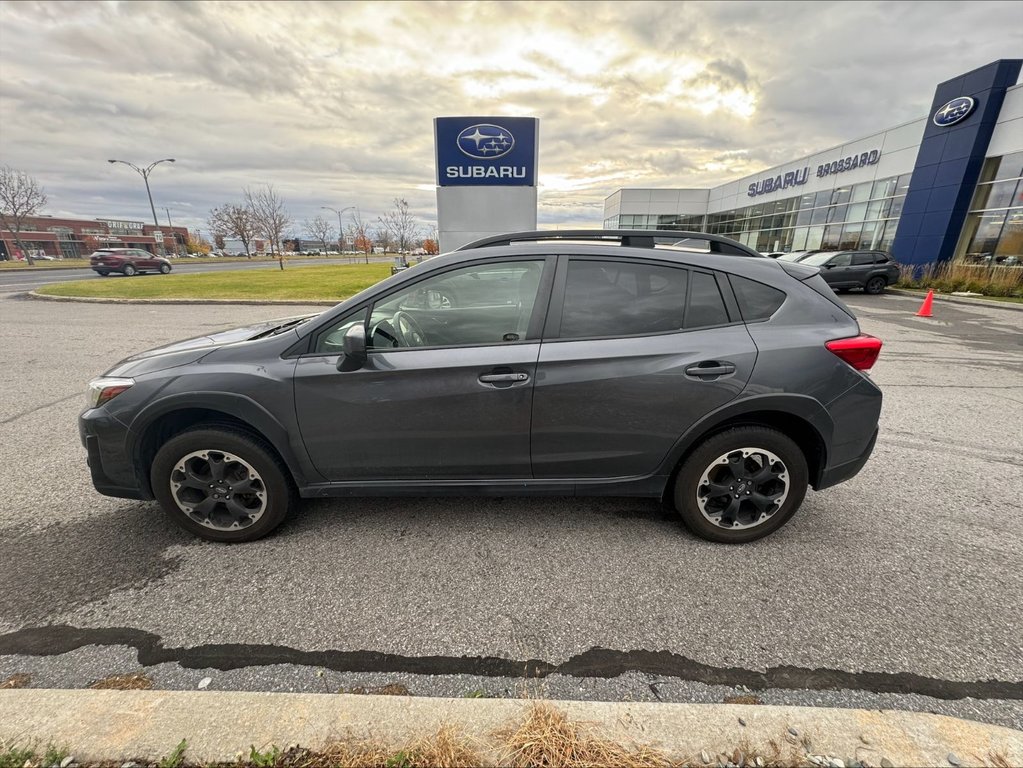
[{"x": 353, "y": 349}]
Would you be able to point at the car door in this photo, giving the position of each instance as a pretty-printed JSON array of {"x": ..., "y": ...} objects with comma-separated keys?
[
  {"x": 446, "y": 390},
  {"x": 144, "y": 259},
  {"x": 634, "y": 353},
  {"x": 836, "y": 271},
  {"x": 861, "y": 268}
]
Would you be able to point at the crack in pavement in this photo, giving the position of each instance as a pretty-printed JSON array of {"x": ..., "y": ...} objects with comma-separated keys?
[
  {"x": 30, "y": 411},
  {"x": 597, "y": 662}
]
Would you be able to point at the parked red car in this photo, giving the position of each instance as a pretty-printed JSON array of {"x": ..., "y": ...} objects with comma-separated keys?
[{"x": 127, "y": 261}]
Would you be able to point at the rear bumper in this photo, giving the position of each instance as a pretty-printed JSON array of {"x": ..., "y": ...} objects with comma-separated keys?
[
  {"x": 104, "y": 439},
  {"x": 855, "y": 415},
  {"x": 847, "y": 470}
]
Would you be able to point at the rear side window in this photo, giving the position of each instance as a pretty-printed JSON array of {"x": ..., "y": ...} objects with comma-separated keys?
[
  {"x": 706, "y": 307},
  {"x": 880, "y": 258},
  {"x": 859, "y": 259},
  {"x": 613, "y": 298},
  {"x": 756, "y": 300}
]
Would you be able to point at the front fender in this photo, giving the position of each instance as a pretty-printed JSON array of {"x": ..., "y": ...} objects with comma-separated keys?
[{"x": 238, "y": 406}]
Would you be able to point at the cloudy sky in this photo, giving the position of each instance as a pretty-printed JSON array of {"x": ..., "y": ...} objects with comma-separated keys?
[{"x": 333, "y": 103}]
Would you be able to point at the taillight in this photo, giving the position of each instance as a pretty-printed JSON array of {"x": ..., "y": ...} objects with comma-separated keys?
[{"x": 860, "y": 351}]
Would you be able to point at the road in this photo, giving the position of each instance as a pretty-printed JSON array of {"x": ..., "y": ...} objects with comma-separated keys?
[
  {"x": 18, "y": 281},
  {"x": 900, "y": 589}
]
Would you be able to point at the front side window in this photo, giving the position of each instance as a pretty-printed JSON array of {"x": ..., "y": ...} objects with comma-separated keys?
[
  {"x": 482, "y": 304},
  {"x": 613, "y": 298}
]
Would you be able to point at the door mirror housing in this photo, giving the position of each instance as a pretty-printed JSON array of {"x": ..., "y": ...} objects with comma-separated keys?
[{"x": 353, "y": 348}]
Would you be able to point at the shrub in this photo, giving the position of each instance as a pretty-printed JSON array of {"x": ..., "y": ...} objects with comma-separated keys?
[{"x": 949, "y": 277}]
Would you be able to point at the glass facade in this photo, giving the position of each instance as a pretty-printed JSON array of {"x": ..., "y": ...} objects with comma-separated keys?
[
  {"x": 851, "y": 216},
  {"x": 671, "y": 221},
  {"x": 993, "y": 233}
]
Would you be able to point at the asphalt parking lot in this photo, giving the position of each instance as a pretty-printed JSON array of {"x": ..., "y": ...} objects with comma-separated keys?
[{"x": 902, "y": 588}]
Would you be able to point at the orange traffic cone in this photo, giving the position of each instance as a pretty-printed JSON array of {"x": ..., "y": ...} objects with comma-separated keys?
[{"x": 925, "y": 308}]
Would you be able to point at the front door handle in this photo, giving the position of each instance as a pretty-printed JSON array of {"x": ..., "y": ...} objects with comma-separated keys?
[
  {"x": 503, "y": 378},
  {"x": 710, "y": 368}
]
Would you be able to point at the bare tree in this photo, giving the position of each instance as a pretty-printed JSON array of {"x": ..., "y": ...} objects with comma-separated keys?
[
  {"x": 236, "y": 222},
  {"x": 400, "y": 224},
  {"x": 320, "y": 229},
  {"x": 20, "y": 197},
  {"x": 271, "y": 217},
  {"x": 382, "y": 235},
  {"x": 362, "y": 237}
]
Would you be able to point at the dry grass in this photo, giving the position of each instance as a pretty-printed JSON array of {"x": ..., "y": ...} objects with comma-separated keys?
[
  {"x": 949, "y": 277},
  {"x": 548, "y": 739},
  {"x": 19, "y": 680},
  {"x": 447, "y": 749},
  {"x": 133, "y": 682}
]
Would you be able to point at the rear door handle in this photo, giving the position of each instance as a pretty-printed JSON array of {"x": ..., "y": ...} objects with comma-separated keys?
[
  {"x": 503, "y": 378},
  {"x": 710, "y": 368}
]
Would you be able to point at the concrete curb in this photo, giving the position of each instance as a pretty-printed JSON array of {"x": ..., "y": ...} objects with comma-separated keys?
[
  {"x": 958, "y": 299},
  {"x": 249, "y": 302},
  {"x": 148, "y": 725}
]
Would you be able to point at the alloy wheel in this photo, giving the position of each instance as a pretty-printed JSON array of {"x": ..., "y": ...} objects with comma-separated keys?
[
  {"x": 742, "y": 488},
  {"x": 218, "y": 490}
]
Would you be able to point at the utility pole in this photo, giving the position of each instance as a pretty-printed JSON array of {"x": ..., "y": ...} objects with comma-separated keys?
[{"x": 144, "y": 173}]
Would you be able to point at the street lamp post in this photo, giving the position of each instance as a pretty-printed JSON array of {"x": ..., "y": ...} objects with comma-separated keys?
[
  {"x": 340, "y": 229},
  {"x": 144, "y": 173}
]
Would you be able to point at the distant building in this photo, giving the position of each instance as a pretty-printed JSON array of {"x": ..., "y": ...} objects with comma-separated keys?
[{"x": 65, "y": 238}]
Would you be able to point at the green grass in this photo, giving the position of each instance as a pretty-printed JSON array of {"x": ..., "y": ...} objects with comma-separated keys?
[{"x": 332, "y": 282}]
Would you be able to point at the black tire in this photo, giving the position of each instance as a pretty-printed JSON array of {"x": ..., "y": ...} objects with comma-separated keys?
[
  {"x": 841, "y": 290},
  {"x": 706, "y": 459},
  {"x": 165, "y": 269},
  {"x": 278, "y": 491},
  {"x": 875, "y": 285},
  {"x": 102, "y": 272},
  {"x": 129, "y": 270}
]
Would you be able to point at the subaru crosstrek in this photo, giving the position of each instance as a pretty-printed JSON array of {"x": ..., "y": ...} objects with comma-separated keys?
[{"x": 613, "y": 363}]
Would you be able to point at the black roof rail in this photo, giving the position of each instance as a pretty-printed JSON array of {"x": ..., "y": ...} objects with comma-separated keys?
[{"x": 629, "y": 238}]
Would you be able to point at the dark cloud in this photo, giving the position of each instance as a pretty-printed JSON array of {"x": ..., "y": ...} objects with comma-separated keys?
[{"x": 334, "y": 102}]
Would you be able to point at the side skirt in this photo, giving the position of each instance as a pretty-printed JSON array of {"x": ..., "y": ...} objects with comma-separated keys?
[{"x": 648, "y": 486}]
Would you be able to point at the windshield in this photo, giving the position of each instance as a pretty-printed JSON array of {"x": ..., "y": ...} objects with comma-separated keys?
[{"x": 817, "y": 259}]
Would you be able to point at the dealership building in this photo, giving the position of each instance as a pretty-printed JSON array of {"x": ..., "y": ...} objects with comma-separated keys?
[
  {"x": 945, "y": 186},
  {"x": 73, "y": 238}
]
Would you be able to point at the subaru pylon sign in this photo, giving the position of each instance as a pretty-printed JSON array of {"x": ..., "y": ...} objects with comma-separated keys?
[{"x": 486, "y": 151}]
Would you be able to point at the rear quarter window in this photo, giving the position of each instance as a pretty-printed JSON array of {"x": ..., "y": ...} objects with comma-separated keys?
[{"x": 756, "y": 300}]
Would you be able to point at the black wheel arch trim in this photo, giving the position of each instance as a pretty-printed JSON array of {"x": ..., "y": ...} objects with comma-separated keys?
[
  {"x": 807, "y": 410},
  {"x": 237, "y": 407}
]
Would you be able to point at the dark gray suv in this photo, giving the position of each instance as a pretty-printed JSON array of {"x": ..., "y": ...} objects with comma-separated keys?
[{"x": 605, "y": 363}]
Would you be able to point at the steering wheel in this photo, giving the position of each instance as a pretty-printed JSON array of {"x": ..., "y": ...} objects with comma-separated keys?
[{"x": 410, "y": 332}]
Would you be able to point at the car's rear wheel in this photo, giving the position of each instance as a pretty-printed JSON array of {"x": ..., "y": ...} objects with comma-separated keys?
[
  {"x": 222, "y": 485},
  {"x": 741, "y": 485},
  {"x": 875, "y": 285},
  {"x": 164, "y": 269},
  {"x": 129, "y": 270}
]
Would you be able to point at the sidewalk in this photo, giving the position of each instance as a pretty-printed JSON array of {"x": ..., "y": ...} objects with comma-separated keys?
[{"x": 104, "y": 725}]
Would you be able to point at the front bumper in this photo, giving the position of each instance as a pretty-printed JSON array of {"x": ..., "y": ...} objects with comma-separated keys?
[{"x": 113, "y": 472}]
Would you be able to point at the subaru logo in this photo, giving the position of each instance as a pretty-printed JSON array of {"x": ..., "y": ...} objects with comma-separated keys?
[
  {"x": 956, "y": 110},
  {"x": 485, "y": 141}
]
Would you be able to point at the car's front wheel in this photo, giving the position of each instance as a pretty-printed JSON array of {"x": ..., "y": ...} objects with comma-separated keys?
[
  {"x": 129, "y": 270},
  {"x": 222, "y": 485},
  {"x": 741, "y": 485},
  {"x": 164, "y": 269},
  {"x": 875, "y": 285}
]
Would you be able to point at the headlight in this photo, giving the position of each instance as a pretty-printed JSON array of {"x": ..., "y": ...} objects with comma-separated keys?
[{"x": 106, "y": 388}]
